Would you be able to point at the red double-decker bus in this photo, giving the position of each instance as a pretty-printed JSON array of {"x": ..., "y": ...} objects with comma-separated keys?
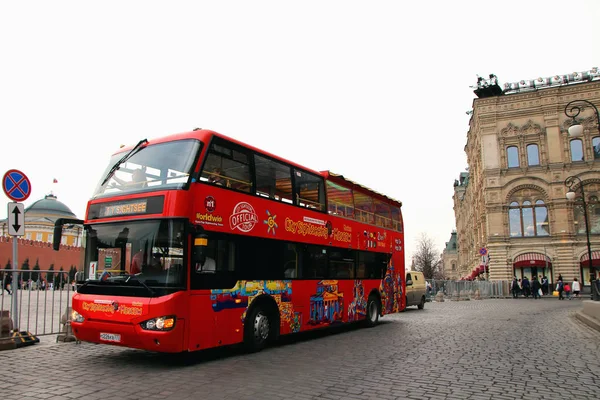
[{"x": 197, "y": 240}]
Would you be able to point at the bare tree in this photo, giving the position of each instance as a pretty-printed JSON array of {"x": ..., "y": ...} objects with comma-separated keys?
[{"x": 427, "y": 259}]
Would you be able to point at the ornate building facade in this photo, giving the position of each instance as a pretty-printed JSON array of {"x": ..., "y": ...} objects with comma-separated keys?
[
  {"x": 449, "y": 259},
  {"x": 512, "y": 202}
]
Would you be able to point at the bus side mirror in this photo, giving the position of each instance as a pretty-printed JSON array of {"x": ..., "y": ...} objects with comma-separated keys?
[
  {"x": 200, "y": 244},
  {"x": 58, "y": 227}
]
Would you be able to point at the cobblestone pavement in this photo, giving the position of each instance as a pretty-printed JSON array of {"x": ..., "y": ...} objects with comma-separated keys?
[{"x": 488, "y": 349}]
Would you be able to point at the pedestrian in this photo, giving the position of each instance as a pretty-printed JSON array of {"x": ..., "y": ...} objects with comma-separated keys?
[
  {"x": 560, "y": 289},
  {"x": 515, "y": 288},
  {"x": 575, "y": 287},
  {"x": 545, "y": 285},
  {"x": 568, "y": 290},
  {"x": 536, "y": 287},
  {"x": 526, "y": 287},
  {"x": 7, "y": 282}
]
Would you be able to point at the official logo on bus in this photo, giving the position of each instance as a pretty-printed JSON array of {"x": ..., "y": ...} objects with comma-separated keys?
[
  {"x": 210, "y": 204},
  {"x": 243, "y": 218}
]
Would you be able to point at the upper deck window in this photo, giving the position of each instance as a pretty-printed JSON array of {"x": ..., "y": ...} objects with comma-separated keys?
[
  {"x": 152, "y": 167},
  {"x": 364, "y": 207},
  {"x": 273, "y": 179},
  {"x": 310, "y": 190},
  {"x": 340, "y": 200},
  {"x": 227, "y": 165}
]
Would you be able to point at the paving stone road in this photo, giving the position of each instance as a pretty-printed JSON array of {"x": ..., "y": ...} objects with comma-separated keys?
[{"x": 488, "y": 349}]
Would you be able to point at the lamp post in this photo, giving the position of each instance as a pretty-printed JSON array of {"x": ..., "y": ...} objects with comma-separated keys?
[
  {"x": 573, "y": 182},
  {"x": 572, "y": 110}
]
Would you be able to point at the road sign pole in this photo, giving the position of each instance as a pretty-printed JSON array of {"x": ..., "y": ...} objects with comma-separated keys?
[{"x": 15, "y": 286}]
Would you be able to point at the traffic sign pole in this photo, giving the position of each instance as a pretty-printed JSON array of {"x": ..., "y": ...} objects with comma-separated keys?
[
  {"x": 14, "y": 286},
  {"x": 17, "y": 187}
]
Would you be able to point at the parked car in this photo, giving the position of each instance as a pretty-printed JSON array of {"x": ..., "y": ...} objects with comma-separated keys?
[{"x": 415, "y": 289}]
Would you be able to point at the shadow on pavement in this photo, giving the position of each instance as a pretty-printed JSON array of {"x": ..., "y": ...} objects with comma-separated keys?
[{"x": 168, "y": 361}]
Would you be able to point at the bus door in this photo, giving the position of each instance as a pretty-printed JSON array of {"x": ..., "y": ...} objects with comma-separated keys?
[{"x": 216, "y": 301}]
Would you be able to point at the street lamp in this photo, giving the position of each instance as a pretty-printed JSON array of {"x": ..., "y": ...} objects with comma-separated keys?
[
  {"x": 572, "y": 110},
  {"x": 573, "y": 182},
  {"x": 576, "y": 129}
]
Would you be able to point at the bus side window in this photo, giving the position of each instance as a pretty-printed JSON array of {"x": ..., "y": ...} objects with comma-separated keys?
[{"x": 314, "y": 262}]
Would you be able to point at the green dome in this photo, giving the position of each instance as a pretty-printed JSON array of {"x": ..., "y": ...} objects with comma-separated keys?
[{"x": 50, "y": 205}]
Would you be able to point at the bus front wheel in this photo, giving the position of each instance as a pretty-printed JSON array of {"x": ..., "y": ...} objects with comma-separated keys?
[
  {"x": 373, "y": 308},
  {"x": 258, "y": 329}
]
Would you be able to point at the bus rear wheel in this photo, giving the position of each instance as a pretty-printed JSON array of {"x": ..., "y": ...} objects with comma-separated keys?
[
  {"x": 257, "y": 330},
  {"x": 373, "y": 308}
]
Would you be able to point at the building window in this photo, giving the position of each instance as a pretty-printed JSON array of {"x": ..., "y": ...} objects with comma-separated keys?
[
  {"x": 593, "y": 212},
  {"x": 50, "y": 237},
  {"x": 38, "y": 236},
  {"x": 63, "y": 240},
  {"x": 576, "y": 150},
  {"x": 596, "y": 147},
  {"x": 28, "y": 236},
  {"x": 453, "y": 266},
  {"x": 527, "y": 219},
  {"x": 514, "y": 216},
  {"x": 533, "y": 155},
  {"x": 512, "y": 154}
]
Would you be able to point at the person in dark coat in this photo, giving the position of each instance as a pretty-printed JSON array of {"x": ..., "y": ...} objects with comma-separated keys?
[
  {"x": 526, "y": 287},
  {"x": 535, "y": 287},
  {"x": 545, "y": 285},
  {"x": 514, "y": 288}
]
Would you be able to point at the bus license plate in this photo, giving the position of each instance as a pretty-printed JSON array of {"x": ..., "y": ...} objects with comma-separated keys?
[{"x": 110, "y": 337}]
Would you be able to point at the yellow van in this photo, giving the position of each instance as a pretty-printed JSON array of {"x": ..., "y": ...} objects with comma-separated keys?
[{"x": 415, "y": 289}]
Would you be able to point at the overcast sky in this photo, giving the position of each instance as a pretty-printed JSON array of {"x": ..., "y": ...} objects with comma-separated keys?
[{"x": 375, "y": 90}]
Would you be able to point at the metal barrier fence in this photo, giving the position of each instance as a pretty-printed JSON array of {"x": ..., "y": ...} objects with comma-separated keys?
[
  {"x": 43, "y": 297},
  {"x": 485, "y": 289}
]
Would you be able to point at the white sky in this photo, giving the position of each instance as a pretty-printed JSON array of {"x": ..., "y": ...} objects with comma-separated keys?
[{"x": 374, "y": 90}]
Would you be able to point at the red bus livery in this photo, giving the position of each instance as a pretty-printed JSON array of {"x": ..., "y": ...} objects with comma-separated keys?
[{"x": 197, "y": 240}]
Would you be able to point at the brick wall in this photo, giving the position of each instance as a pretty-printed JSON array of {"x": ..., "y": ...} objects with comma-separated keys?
[{"x": 42, "y": 251}]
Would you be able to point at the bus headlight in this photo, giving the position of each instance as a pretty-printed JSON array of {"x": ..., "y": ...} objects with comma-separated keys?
[
  {"x": 159, "y": 324},
  {"x": 76, "y": 317}
]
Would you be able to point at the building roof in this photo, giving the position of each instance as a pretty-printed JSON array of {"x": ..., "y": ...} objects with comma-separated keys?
[
  {"x": 48, "y": 205},
  {"x": 451, "y": 245}
]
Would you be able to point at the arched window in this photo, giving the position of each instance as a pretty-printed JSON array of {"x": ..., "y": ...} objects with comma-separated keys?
[
  {"x": 512, "y": 155},
  {"x": 533, "y": 156},
  {"x": 593, "y": 212},
  {"x": 453, "y": 266},
  {"x": 527, "y": 219},
  {"x": 576, "y": 150},
  {"x": 596, "y": 147}
]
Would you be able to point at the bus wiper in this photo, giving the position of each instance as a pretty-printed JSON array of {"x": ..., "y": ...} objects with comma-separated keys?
[
  {"x": 134, "y": 276},
  {"x": 126, "y": 157}
]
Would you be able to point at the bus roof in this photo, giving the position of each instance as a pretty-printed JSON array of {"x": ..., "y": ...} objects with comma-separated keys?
[
  {"x": 205, "y": 135},
  {"x": 337, "y": 178}
]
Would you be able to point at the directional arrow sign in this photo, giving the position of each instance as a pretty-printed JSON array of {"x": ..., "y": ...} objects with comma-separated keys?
[{"x": 16, "y": 219}]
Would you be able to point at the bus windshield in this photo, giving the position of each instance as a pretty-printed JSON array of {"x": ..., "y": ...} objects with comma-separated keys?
[
  {"x": 137, "y": 258},
  {"x": 153, "y": 167}
]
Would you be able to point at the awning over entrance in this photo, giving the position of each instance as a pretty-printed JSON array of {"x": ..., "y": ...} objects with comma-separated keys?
[
  {"x": 595, "y": 256},
  {"x": 532, "y": 260},
  {"x": 584, "y": 260}
]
